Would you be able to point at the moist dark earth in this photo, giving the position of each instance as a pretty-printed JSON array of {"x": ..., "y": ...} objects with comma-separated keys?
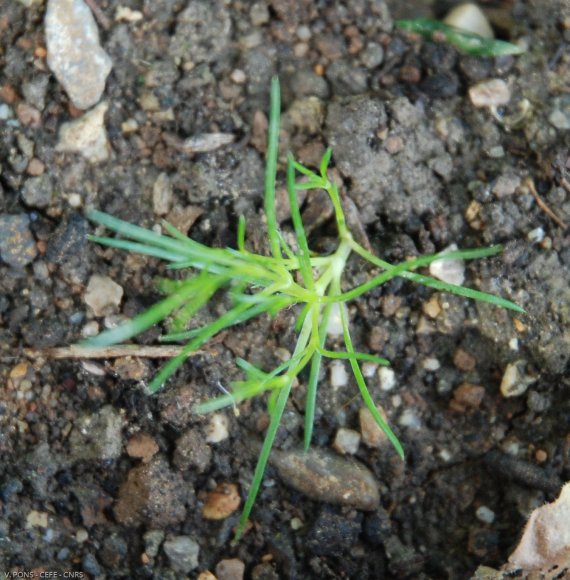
[{"x": 100, "y": 478}]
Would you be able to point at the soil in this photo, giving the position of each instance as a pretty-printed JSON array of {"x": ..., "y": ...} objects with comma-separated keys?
[{"x": 100, "y": 478}]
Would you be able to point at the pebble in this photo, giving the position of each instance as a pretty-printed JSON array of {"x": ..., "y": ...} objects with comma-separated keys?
[
  {"x": 372, "y": 56},
  {"x": 182, "y": 553},
  {"x": 5, "y": 112},
  {"x": 471, "y": 18},
  {"x": 230, "y": 569},
  {"x": 387, "y": 378},
  {"x": 217, "y": 428},
  {"x": 36, "y": 519},
  {"x": 74, "y": 53},
  {"x": 327, "y": 477},
  {"x": 339, "y": 376},
  {"x": 222, "y": 502},
  {"x": 142, "y": 446},
  {"x": 506, "y": 185},
  {"x": 490, "y": 93},
  {"x": 334, "y": 327},
  {"x": 17, "y": 245},
  {"x": 153, "y": 494},
  {"x": 192, "y": 451},
  {"x": 515, "y": 382},
  {"x": 152, "y": 541},
  {"x": 38, "y": 191},
  {"x": 372, "y": 434},
  {"x": 464, "y": 361},
  {"x": 102, "y": 295},
  {"x": 346, "y": 441},
  {"x": 450, "y": 271},
  {"x": 162, "y": 195},
  {"x": 90, "y": 565},
  {"x": 259, "y": 14},
  {"x": 86, "y": 135},
  {"x": 35, "y": 90},
  {"x": 485, "y": 514},
  {"x": 409, "y": 418},
  {"x": 467, "y": 396}
]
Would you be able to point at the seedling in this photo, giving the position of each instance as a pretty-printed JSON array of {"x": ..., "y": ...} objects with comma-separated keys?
[
  {"x": 464, "y": 41},
  {"x": 256, "y": 284}
]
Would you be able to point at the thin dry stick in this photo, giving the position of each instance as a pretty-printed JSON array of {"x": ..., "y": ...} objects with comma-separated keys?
[
  {"x": 117, "y": 351},
  {"x": 542, "y": 205}
]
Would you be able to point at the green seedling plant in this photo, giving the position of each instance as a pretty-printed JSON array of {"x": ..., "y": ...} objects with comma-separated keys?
[
  {"x": 464, "y": 41},
  {"x": 266, "y": 284}
]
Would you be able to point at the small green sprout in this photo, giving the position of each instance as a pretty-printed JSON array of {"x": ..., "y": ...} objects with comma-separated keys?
[
  {"x": 466, "y": 42},
  {"x": 258, "y": 284}
]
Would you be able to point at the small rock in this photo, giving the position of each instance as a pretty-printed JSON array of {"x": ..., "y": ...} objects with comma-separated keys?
[
  {"x": 450, "y": 271},
  {"x": 409, "y": 418},
  {"x": 463, "y": 361},
  {"x": 217, "y": 428},
  {"x": 38, "y": 191},
  {"x": 515, "y": 382},
  {"x": 182, "y": 552},
  {"x": 467, "y": 396},
  {"x": 346, "y": 441},
  {"x": 387, "y": 378},
  {"x": 230, "y": 569},
  {"x": 222, "y": 502},
  {"x": 372, "y": 56},
  {"x": 326, "y": 477},
  {"x": 162, "y": 195},
  {"x": 126, "y": 14},
  {"x": 372, "y": 434},
  {"x": 339, "y": 376},
  {"x": 17, "y": 245},
  {"x": 102, "y": 295},
  {"x": 35, "y": 90},
  {"x": 74, "y": 53},
  {"x": 36, "y": 519},
  {"x": 35, "y": 167},
  {"x": 490, "y": 93},
  {"x": 192, "y": 451},
  {"x": 471, "y": 18},
  {"x": 86, "y": 135},
  {"x": 485, "y": 515},
  {"x": 259, "y": 14},
  {"x": 142, "y": 446},
  {"x": 152, "y": 540},
  {"x": 90, "y": 565},
  {"x": 506, "y": 185},
  {"x": 153, "y": 494}
]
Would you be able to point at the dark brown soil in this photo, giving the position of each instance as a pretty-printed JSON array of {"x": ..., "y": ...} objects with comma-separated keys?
[{"x": 97, "y": 477}]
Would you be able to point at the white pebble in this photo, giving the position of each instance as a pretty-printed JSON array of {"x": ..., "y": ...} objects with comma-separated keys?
[
  {"x": 369, "y": 369},
  {"x": 217, "y": 428},
  {"x": 485, "y": 514},
  {"x": 90, "y": 329},
  {"x": 535, "y": 236},
  {"x": 514, "y": 344},
  {"x": 238, "y": 76},
  {"x": 431, "y": 364},
  {"x": 346, "y": 441},
  {"x": 86, "y": 135},
  {"x": 387, "y": 378},
  {"x": 471, "y": 18},
  {"x": 450, "y": 271},
  {"x": 490, "y": 93},
  {"x": 339, "y": 376},
  {"x": 102, "y": 295},
  {"x": 445, "y": 455},
  {"x": 515, "y": 382},
  {"x": 410, "y": 419}
]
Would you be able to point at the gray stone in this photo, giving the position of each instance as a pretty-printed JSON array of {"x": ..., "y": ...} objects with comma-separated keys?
[
  {"x": 17, "y": 245},
  {"x": 182, "y": 552},
  {"x": 328, "y": 477},
  {"x": 38, "y": 191},
  {"x": 74, "y": 53},
  {"x": 97, "y": 436},
  {"x": 103, "y": 295},
  {"x": 35, "y": 90}
]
